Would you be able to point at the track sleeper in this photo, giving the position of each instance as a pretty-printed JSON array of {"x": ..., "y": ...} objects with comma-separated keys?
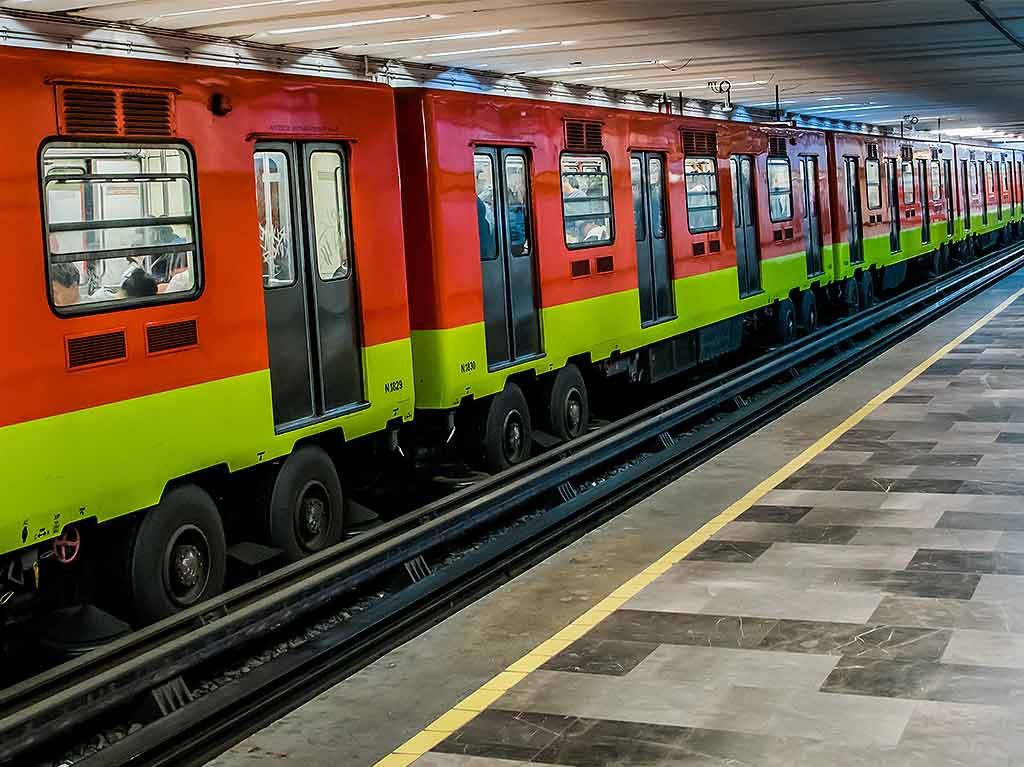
[
  {"x": 567, "y": 491},
  {"x": 417, "y": 569},
  {"x": 666, "y": 440}
]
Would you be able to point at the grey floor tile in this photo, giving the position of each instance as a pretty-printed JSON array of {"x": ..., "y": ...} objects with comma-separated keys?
[
  {"x": 1000, "y": 588},
  {"x": 803, "y": 605},
  {"x": 926, "y": 680},
  {"x": 856, "y": 641},
  {"x": 784, "y": 514},
  {"x": 718, "y": 666},
  {"x": 742, "y": 551},
  {"x": 612, "y": 657},
  {"x": 950, "y": 613},
  {"x": 985, "y": 648},
  {"x": 981, "y": 562},
  {"x": 771, "y": 532},
  {"x": 826, "y": 498},
  {"x": 1011, "y": 542},
  {"x": 977, "y": 540},
  {"x": 435, "y": 759},
  {"x": 810, "y": 555},
  {"x": 982, "y": 520},
  {"x": 842, "y": 457},
  {"x": 923, "y": 518}
]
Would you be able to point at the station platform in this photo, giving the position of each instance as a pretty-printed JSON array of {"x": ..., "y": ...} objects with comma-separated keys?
[{"x": 844, "y": 587}]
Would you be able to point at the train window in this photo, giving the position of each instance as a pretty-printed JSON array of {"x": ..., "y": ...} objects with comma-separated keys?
[
  {"x": 702, "y": 194},
  {"x": 330, "y": 217},
  {"x": 655, "y": 185},
  {"x": 1006, "y": 175},
  {"x": 120, "y": 224},
  {"x": 274, "y": 213},
  {"x": 636, "y": 175},
  {"x": 780, "y": 190},
  {"x": 483, "y": 169},
  {"x": 973, "y": 167},
  {"x": 908, "y": 183},
  {"x": 873, "y": 174},
  {"x": 990, "y": 179},
  {"x": 936, "y": 183},
  {"x": 586, "y": 200},
  {"x": 516, "y": 210}
]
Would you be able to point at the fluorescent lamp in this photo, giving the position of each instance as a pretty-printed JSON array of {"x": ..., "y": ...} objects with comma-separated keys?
[
  {"x": 497, "y": 48},
  {"x": 437, "y": 38},
  {"x": 559, "y": 70}
]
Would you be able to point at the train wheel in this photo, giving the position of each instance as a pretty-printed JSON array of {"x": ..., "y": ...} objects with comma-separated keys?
[
  {"x": 808, "y": 312},
  {"x": 785, "y": 321},
  {"x": 178, "y": 554},
  {"x": 567, "y": 406},
  {"x": 866, "y": 290},
  {"x": 850, "y": 298},
  {"x": 306, "y": 509},
  {"x": 507, "y": 432}
]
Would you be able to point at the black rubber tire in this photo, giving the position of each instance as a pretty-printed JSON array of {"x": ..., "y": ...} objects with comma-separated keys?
[
  {"x": 866, "y": 290},
  {"x": 850, "y": 296},
  {"x": 501, "y": 413},
  {"x": 566, "y": 403},
  {"x": 186, "y": 517},
  {"x": 784, "y": 327},
  {"x": 808, "y": 312},
  {"x": 307, "y": 482}
]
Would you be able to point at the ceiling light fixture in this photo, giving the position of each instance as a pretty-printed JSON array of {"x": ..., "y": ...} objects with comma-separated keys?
[
  {"x": 588, "y": 67},
  {"x": 498, "y": 48},
  {"x": 437, "y": 38},
  {"x": 345, "y": 24}
]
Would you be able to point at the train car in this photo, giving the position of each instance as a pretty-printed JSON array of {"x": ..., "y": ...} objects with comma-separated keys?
[
  {"x": 988, "y": 202},
  {"x": 547, "y": 241},
  {"x": 206, "y": 276},
  {"x": 894, "y": 203}
]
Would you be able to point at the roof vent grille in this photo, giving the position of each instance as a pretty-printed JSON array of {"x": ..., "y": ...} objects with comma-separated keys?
[
  {"x": 95, "y": 110},
  {"x": 702, "y": 143},
  {"x": 583, "y": 136},
  {"x": 906, "y": 153},
  {"x": 872, "y": 151},
  {"x": 777, "y": 146}
]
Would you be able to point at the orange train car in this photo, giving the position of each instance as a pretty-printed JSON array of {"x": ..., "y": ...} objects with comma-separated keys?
[
  {"x": 209, "y": 278},
  {"x": 558, "y": 240}
]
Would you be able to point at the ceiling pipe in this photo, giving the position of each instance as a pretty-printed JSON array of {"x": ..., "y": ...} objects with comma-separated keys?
[{"x": 1005, "y": 31}]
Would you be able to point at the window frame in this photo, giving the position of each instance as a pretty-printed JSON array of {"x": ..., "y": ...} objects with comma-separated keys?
[
  {"x": 309, "y": 149},
  {"x": 717, "y": 193},
  {"x": 913, "y": 183},
  {"x": 771, "y": 193},
  {"x": 160, "y": 299},
  {"x": 582, "y": 245},
  {"x": 877, "y": 184},
  {"x": 935, "y": 180},
  {"x": 293, "y": 212}
]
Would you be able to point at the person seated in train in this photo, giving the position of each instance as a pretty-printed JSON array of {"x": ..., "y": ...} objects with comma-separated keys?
[
  {"x": 592, "y": 230},
  {"x": 571, "y": 188},
  {"x": 65, "y": 280},
  {"x": 180, "y": 275},
  {"x": 137, "y": 284}
]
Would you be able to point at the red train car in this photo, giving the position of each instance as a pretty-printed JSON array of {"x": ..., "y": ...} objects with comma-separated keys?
[
  {"x": 210, "y": 277},
  {"x": 546, "y": 240}
]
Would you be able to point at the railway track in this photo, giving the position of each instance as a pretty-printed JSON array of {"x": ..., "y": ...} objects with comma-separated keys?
[{"x": 416, "y": 569}]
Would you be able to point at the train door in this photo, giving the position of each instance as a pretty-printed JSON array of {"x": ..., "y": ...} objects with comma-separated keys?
[
  {"x": 926, "y": 197},
  {"x": 985, "y": 181},
  {"x": 999, "y": 189},
  {"x": 967, "y": 194},
  {"x": 812, "y": 215},
  {"x": 309, "y": 281},
  {"x": 654, "y": 270},
  {"x": 511, "y": 323},
  {"x": 947, "y": 180},
  {"x": 855, "y": 217},
  {"x": 892, "y": 178},
  {"x": 744, "y": 212}
]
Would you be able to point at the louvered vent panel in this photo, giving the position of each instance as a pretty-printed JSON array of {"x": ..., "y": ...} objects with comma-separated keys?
[
  {"x": 87, "y": 110},
  {"x": 704, "y": 143},
  {"x": 92, "y": 350},
  {"x": 906, "y": 153},
  {"x": 147, "y": 113},
  {"x": 872, "y": 151},
  {"x": 776, "y": 146},
  {"x": 935, "y": 154},
  {"x": 988, "y": 156},
  {"x": 583, "y": 136},
  {"x": 171, "y": 335}
]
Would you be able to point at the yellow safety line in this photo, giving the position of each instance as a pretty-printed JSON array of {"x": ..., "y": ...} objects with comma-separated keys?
[{"x": 468, "y": 708}]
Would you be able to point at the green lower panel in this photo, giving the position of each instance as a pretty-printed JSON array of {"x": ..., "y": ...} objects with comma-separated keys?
[
  {"x": 452, "y": 364},
  {"x": 114, "y": 459}
]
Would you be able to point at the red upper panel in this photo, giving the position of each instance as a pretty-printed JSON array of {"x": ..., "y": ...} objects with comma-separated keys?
[
  {"x": 34, "y": 381},
  {"x": 438, "y": 132}
]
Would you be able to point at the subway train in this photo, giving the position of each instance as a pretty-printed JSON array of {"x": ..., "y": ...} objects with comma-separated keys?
[{"x": 230, "y": 289}]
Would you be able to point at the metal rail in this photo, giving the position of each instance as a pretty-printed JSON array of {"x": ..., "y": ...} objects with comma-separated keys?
[{"x": 35, "y": 711}]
